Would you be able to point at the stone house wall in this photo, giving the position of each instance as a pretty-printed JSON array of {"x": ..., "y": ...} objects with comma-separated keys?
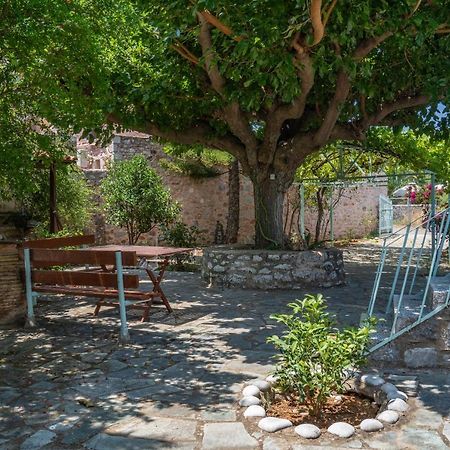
[{"x": 205, "y": 201}]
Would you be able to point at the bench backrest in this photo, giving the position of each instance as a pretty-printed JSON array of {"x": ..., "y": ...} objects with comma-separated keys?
[
  {"x": 44, "y": 257},
  {"x": 61, "y": 242}
]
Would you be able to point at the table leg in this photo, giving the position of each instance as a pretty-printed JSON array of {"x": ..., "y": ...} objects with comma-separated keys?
[{"x": 156, "y": 280}]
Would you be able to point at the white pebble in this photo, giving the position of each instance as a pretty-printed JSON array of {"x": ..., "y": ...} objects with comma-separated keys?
[
  {"x": 307, "y": 431},
  {"x": 272, "y": 379},
  {"x": 398, "y": 405},
  {"x": 388, "y": 416},
  {"x": 370, "y": 425},
  {"x": 341, "y": 429},
  {"x": 251, "y": 390},
  {"x": 255, "y": 411},
  {"x": 272, "y": 424},
  {"x": 372, "y": 380},
  {"x": 249, "y": 400},
  {"x": 262, "y": 385}
]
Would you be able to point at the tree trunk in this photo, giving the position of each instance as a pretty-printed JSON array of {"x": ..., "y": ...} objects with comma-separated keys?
[
  {"x": 269, "y": 199},
  {"x": 233, "y": 204}
]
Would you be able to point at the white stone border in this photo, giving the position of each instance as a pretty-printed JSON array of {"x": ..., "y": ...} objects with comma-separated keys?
[{"x": 391, "y": 401}]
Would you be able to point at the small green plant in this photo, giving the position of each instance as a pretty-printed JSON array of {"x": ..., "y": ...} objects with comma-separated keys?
[
  {"x": 315, "y": 356},
  {"x": 180, "y": 234}
]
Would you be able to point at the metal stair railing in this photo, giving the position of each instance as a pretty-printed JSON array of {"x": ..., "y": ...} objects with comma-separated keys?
[{"x": 416, "y": 252}]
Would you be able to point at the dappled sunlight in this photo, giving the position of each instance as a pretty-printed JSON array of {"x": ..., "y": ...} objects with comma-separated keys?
[{"x": 70, "y": 374}]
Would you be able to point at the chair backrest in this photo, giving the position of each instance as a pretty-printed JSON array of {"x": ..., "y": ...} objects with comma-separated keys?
[
  {"x": 78, "y": 278},
  {"x": 61, "y": 242},
  {"x": 44, "y": 257}
]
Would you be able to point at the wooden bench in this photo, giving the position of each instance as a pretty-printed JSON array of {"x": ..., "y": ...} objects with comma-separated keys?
[{"x": 120, "y": 288}]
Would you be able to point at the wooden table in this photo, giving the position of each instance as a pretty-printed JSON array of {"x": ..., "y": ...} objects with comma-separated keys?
[{"x": 146, "y": 253}]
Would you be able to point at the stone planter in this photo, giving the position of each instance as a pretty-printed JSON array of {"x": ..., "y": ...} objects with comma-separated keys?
[{"x": 227, "y": 266}]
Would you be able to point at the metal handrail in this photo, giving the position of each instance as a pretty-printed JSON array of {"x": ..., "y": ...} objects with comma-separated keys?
[{"x": 405, "y": 262}]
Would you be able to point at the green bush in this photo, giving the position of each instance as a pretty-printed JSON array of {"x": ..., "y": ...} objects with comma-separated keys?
[
  {"x": 73, "y": 202},
  {"x": 180, "y": 235},
  {"x": 135, "y": 198},
  {"x": 315, "y": 356}
]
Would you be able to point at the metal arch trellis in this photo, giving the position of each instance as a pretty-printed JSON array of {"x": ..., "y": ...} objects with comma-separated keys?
[{"x": 342, "y": 181}]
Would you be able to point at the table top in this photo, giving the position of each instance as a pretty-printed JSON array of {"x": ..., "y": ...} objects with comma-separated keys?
[{"x": 144, "y": 251}]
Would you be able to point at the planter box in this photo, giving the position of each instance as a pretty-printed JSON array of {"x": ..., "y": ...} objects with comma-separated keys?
[{"x": 271, "y": 269}]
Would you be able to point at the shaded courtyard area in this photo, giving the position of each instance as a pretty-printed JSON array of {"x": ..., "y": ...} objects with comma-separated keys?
[{"x": 69, "y": 384}]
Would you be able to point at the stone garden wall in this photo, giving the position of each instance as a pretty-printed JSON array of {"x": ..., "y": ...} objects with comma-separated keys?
[
  {"x": 12, "y": 300},
  {"x": 205, "y": 201},
  {"x": 256, "y": 269}
]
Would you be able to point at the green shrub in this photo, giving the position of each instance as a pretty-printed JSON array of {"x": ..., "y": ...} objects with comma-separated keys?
[
  {"x": 135, "y": 198},
  {"x": 179, "y": 234},
  {"x": 73, "y": 202},
  {"x": 315, "y": 356}
]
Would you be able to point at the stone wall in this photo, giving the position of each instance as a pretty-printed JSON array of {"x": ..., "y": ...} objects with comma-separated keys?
[
  {"x": 256, "y": 269},
  {"x": 205, "y": 201},
  {"x": 12, "y": 300}
]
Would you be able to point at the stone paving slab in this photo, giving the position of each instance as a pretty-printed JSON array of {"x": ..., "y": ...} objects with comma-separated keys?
[
  {"x": 223, "y": 436},
  {"x": 69, "y": 385}
]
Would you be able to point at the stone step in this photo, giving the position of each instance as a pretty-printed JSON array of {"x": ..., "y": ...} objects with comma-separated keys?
[
  {"x": 409, "y": 311},
  {"x": 438, "y": 292}
]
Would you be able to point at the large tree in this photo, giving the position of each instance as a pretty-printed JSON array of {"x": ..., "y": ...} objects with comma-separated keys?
[{"x": 270, "y": 82}]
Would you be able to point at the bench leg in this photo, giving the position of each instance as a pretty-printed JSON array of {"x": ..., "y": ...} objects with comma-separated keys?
[
  {"x": 31, "y": 321},
  {"x": 146, "y": 313},
  {"x": 124, "y": 335},
  {"x": 97, "y": 309}
]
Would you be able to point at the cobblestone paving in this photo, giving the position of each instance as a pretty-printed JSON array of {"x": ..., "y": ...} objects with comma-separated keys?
[{"x": 69, "y": 385}]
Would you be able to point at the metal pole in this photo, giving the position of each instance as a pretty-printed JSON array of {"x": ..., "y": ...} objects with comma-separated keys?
[
  {"x": 31, "y": 322},
  {"x": 433, "y": 212},
  {"x": 405, "y": 280},
  {"x": 124, "y": 335},
  {"x": 429, "y": 277},
  {"x": 302, "y": 211},
  {"x": 377, "y": 280},
  {"x": 399, "y": 268}
]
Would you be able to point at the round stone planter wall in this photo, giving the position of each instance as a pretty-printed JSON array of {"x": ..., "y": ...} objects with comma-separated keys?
[{"x": 270, "y": 269}]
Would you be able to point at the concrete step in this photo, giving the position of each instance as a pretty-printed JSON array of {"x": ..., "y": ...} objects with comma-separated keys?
[
  {"x": 438, "y": 292},
  {"x": 409, "y": 310}
]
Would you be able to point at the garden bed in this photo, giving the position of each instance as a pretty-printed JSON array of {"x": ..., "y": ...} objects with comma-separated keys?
[
  {"x": 247, "y": 268},
  {"x": 351, "y": 408}
]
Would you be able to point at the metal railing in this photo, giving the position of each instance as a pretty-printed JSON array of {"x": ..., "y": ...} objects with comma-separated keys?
[{"x": 399, "y": 296}]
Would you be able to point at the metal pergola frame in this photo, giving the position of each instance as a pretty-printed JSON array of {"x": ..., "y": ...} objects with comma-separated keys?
[{"x": 345, "y": 181}]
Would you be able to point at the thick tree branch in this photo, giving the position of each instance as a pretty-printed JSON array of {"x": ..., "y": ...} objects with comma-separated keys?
[
  {"x": 294, "y": 110},
  {"x": 389, "y": 108},
  {"x": 217, "y": 81},
  {"x": 200, "y": 133},
  {"x": 215, "y": 22},
  {"x": 343, "y": 88},
  {"x": 316, "y": 21},
  {"x": 232, "y": 113},
  {"x": 334, "y": 109}
]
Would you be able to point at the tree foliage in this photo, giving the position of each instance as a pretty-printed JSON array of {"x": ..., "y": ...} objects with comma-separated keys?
[
  {"x": 269, "y": 82},
  {"x": 136, "y": 199}
]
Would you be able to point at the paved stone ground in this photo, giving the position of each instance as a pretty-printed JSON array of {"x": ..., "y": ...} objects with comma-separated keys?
[{"x": 69, "y": 385}]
